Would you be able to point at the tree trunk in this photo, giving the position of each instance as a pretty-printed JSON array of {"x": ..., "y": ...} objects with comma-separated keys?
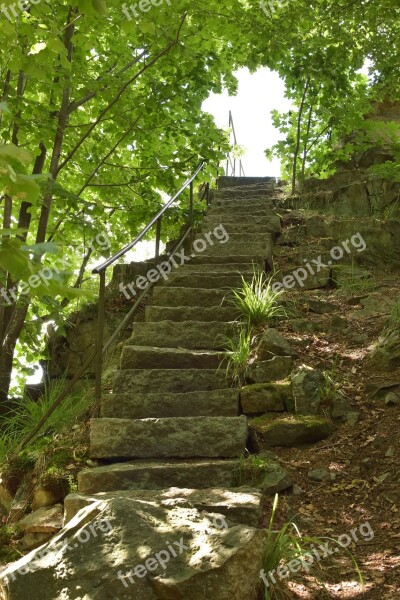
[
  {"x": 298, "y": 140},
  {"x": 305, "y": 151}
]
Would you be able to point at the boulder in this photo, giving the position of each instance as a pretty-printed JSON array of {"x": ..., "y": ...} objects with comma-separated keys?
[
  {"x": 276, "y": 480},
  {"x": 292, "y": 430},
  {"x": 242, "y": 505},
  {"x": 385, "y": 356},
  {"x": 48, "y": 519},
  {"x": 271, "y": 344},
  {"x": 270, "y": 370},
  {"x": 43, "y": 497},
  {"x": 391, "y": 399},
  {"x": 318, "y": 474},
  {"x": 307, "y": 383},
  {"x": 34, "y": 540},
  {"x": 266, "y": 397},
  {"x": 149, "y": 550},
  {"x": 340, "y": 408},
  {"x": 321, "y": 307}
]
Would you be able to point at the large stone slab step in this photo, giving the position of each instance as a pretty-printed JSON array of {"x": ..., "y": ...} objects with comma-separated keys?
[
  {"x": 239, "y": 225},
  {"x": 180, "y": 296},
  {"x": 253, "y": 204},
  {"x": 223, "y": 314},
  {"x": 157, "y": 475},
  {"x": 207, "y": 259},
  {"x": 238, "y": 244},
  {"x": 214, "y": 403},
  {"x": 187, "y": 437},
  {"x": 186, "y": 334},
  {"x": 229, "y": 268},
  {"x": 147, "y": 357},
  {"x": 231, "y": 182},
  {"x": 237, "y": 505},
  {"x": 149, "y": 381},
  {"x": 204, "y": 280}
]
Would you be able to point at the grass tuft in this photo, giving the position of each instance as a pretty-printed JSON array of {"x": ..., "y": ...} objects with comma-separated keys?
[{"x": 257, "y": 302}]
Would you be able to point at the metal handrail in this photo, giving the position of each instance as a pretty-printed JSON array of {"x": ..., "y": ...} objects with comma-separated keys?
[
  {"x": 230, "y": 159},
  {"x": 101, "y": 269}
]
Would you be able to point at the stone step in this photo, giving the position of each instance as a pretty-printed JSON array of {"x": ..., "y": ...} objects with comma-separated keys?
[
  {"x": 147, "y": 357},
  {"x": 238, "y": 506},
  {"x": 233, "y": 182},
  {"x": 215, "y": 403},
  {"x": 186, "y": 437},
  {"x": 191, "y": 313},
  {"x": 238, "y": 244},
  {"x": 255, "y": 191},
  {"x": 220, "y": 213},
  {"x": 156, "y": 475},
  {"x": 230, "y": 207},
  {"x": 149, "y": 381},
  {"x": 230, "y": 268},
  {"x": 206, "y": 259},
  {"x": 248, "y": 226},
  {"x": 204, "y": 280},
  {"x": 240, "y": 226},
  {"x": 196, "y": 335},
  {"x": 179, "y": 296}
]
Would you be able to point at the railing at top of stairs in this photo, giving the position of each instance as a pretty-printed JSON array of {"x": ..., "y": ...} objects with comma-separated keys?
[{"x": 231, "y": 160}]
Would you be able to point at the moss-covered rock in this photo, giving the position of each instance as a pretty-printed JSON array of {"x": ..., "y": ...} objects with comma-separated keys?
[
  {"x": 266, "y": 397},
  {"x": 291, "y": 430}
]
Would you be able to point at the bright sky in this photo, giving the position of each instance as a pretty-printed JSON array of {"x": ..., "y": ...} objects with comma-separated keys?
[{"x": 257, "y": 95}]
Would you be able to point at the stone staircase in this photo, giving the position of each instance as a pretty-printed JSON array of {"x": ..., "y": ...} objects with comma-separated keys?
[{"x": 173, "y": 419}]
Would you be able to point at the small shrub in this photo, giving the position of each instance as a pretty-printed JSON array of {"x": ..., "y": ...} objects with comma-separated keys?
[
  {"x": 257, "y": 302},
  {"x": 251, "y": 471},
  {"x": 286, "y": 545},
  {"x": 27, "y": 413},
  {"x": 238, "y": 352}
]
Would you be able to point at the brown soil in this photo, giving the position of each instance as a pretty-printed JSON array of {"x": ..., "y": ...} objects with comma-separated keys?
[{"x": 362, "y": 460}]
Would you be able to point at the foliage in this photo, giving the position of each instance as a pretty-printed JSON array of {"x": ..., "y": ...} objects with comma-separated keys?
[
  {"x": 238, "y": 350},
  {"x": 100, "y": 117},
  {"x": 257, "y": 302},
  {"x": 26, "y": 414},
  {"x": 251, "y": 471},
  {"x": 9, "y": 535},
  {"x": 289, "y": 544},
  {"x": 393, "y": 323}
]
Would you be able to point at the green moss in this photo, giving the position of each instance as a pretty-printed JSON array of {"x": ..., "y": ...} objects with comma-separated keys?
[
  {"x": 250, "y": 471},
  {"x": 265, "y": 422},
  {"x": 9, "y": 535}
]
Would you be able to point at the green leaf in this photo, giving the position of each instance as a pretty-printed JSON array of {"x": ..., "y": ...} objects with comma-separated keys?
[
  {"x": 100, "y": 6},
  {"x": 147, "y": 27}
]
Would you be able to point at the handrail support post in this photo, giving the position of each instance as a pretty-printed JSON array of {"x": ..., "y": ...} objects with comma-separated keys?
[
  {"x": 158, "y": 237},
  {"x": 100, "y": 334},
  {"x": 191, "y": 205}
]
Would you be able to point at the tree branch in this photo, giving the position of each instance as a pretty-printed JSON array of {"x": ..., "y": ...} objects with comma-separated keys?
[{"x": 119, "y": 94}]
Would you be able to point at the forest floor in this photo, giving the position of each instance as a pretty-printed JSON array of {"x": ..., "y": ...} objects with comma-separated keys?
[{"x": 362, "y": 460}]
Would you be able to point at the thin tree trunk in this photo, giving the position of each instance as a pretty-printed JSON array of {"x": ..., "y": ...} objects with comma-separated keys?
[
  {"x": 305, "y": 151},
  {"x": 298, "y": 140},
  {"x": 17, "y": 320}
]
